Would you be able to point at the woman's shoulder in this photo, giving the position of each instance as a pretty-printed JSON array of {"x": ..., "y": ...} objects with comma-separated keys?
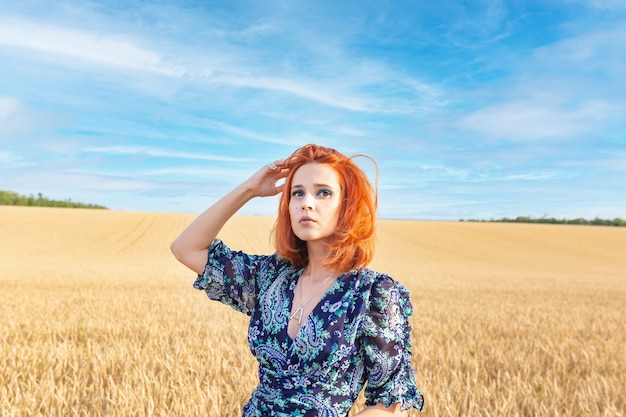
[
  {"x": 388, "y": 306},
  {"x": 369, "y": 279},
  {"x": 219, "y": 248},
  {"x": 262, "y": 264}
]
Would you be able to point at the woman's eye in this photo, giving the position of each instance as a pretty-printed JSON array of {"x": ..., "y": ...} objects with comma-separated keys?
[
  {"x": 297, "y": 193},
  {"x": 324, "y": 193}
]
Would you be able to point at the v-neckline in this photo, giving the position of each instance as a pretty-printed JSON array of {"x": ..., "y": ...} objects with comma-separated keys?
[{"x": 294, "y": 283}]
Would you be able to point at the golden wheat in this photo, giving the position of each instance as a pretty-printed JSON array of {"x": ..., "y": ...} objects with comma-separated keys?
[{"x": 98, "y": 319}]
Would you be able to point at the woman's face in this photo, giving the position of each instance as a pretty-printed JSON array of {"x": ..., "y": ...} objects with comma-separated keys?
[{"x": 314, "y": 202}]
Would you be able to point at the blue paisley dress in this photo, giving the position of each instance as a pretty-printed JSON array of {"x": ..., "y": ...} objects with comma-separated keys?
[{"x": 357, "y": 333}]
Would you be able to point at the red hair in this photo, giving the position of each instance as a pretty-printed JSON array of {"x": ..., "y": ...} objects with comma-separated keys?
[{"x": 352, "y": 244}]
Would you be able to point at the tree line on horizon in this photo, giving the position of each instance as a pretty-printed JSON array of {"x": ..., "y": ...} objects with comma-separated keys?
[
  {"x": 551, "y": 220},
  {"x": 10, "y": 198}
]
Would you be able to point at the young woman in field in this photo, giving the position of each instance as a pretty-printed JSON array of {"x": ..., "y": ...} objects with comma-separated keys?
[{"x": 322, "y": 325}]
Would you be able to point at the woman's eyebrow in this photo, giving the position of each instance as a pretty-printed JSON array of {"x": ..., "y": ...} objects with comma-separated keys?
[{"x": 315, "y": 185}]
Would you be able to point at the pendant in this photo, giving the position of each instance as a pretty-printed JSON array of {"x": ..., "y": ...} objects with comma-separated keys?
[{"x": 297, "y": 314}]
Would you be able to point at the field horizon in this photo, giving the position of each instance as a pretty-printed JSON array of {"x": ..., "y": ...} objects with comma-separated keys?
[{"x": 511, "y": 319}]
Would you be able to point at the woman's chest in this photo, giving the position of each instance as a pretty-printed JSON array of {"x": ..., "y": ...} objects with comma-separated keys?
[{"x": 328, "y": 332}]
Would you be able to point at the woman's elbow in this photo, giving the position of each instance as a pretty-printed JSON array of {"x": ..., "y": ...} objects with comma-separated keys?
[
  {"x": 176, "y": 249},
  {"x": 192, "y": 259},
  {"x": 180, "y": 252}
]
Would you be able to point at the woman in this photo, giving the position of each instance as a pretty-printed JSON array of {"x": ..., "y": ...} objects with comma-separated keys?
[{"x": 322, "y": 325}]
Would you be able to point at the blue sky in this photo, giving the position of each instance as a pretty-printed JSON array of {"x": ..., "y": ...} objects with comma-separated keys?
[{"x": 472, "y": 109}]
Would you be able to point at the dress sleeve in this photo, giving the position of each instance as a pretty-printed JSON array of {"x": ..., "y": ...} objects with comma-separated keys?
[
  {"x": 231, "y": 277},
  {"x": 387, "y": 347}
]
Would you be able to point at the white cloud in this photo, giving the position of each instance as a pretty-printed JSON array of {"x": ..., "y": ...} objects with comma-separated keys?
[
  {"x": 161, "y": 153},
  {"x": 570, "y": 89},
  {"x": 348, "y": 83},
  {"x": 104, "y": 49},
  {"x": 564, "y": 90},
  {"x": 536, "y": 119},
  {"x": 9, "y": 106},
  {"x": 11, "y": 159},
  {"x": 248, "y": 134},
  {"x": 476, "y": 24},
  {"x": 534, "y": 176},
  {"x": 73, "y": 182},
  {"x": 17, "y": 119},
  {"x": 189, "y": 172},
  {"x": 600, "y": 50},
  {"x": 604, "y": 5}
]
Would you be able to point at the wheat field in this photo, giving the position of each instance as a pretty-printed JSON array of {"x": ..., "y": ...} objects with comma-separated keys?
[{"x": 98, "y": 319}]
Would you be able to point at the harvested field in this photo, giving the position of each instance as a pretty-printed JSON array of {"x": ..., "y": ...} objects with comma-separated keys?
[{"x": 98, "y": 319}]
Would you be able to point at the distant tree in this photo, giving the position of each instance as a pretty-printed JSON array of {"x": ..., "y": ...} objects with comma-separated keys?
[
  {"x": 618, "y": 222},
  {"x": 10, "y": 198}
]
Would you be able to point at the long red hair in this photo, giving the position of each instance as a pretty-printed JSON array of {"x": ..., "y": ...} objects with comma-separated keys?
[{"x": 352, "y": 244}]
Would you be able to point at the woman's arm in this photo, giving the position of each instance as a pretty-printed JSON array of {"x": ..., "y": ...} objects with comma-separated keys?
[
  {"x": 191, "y": 246},
  {"x": 379, "y": 410}
]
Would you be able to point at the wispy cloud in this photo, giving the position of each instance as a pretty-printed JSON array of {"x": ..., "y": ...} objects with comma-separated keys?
[
  {"x": 104, "y": 49},
  {"x": 475, "y": 25},
  {"x": 247, "y": 133},
  {"x": 354, "y": 88},
  {"x": 600, "y": 49},
  {"x": 536, "y": 119},
  {"x": 161, "y": 153},
  {"x": 8, "y": 107},
  {"x": 535, "y": 176},
  {"x": 604, "y": 5},
  {"x": 13, "y": 159},
  {"x": 17, "y": 119},
  {"x": 567, "y": 90}
]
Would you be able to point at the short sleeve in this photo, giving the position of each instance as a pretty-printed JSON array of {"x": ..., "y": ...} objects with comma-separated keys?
[
  {"x": 231, "y": 277},
  {"x": 387, "y": 347}
]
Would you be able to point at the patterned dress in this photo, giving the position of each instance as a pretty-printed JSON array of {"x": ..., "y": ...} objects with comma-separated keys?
[{"x": 357, "y": 333}]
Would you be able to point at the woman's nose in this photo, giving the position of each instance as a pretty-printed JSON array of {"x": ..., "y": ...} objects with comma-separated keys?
[{"x": 306, "y": 202}]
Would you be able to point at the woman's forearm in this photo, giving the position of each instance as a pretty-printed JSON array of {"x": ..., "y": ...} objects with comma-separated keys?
[{"x": 190, "y": 247}]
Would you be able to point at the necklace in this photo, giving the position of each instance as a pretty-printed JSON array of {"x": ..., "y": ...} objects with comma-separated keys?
[{"x": 300, "y": 310}]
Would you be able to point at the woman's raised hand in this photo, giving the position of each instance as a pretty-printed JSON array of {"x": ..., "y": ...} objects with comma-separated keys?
[{"x": 264, "y": 182}]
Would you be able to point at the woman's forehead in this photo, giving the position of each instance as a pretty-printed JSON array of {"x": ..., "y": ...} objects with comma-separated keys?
[{"x": 314, "y": 173}]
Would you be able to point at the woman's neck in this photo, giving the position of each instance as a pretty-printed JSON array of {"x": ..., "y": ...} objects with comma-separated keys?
[
  {"x": 316, "y": 267},
  {"x": 317, "y": 270}
]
